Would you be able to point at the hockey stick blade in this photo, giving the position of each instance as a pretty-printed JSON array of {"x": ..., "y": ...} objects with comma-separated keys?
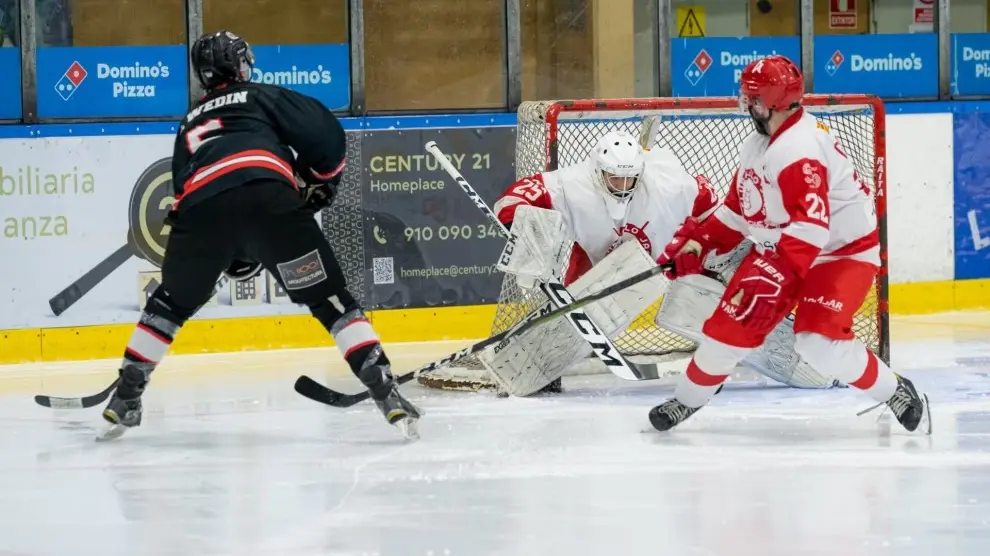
[
  {"x": 76, "y": 403},
  {"x": 315, "y": 391}
]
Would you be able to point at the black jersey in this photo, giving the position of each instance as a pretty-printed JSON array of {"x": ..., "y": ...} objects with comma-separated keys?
[{"x": 246, "y": 132}]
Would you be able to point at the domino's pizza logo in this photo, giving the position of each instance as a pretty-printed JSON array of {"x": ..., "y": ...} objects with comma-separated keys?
[
  {"x": 698, "y": 67},
  {"x": 834, "y": 62},
  {"x": 70, "y": 81}
]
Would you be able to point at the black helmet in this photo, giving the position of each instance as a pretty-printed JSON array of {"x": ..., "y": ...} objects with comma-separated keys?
[{"x": 221, "y": 57}]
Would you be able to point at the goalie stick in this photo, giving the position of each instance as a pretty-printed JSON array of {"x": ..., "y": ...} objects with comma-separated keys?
[
  {"x": 315, "y": 391},
  {"x": 600, "y": 343}
]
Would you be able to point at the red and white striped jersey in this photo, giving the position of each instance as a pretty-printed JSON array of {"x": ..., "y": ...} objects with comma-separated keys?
[
  {"x": 665, "y": 196},
  {"x": 798, "y": 193}
]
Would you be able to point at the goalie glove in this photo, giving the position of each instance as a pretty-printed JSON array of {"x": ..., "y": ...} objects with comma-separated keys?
[{"x": 765, "y": 287}]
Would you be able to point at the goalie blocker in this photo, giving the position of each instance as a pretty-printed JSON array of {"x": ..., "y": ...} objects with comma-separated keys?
[{"x": 527, "y": 363}]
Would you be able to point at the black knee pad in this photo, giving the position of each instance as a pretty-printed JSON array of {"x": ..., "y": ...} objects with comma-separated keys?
[{"x": 163, "y": 316}]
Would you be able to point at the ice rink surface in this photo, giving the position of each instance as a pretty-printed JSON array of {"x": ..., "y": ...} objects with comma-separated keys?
[{"x": 231, "y": 461}]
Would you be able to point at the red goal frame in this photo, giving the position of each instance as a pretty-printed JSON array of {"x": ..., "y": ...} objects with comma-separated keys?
[{"x": 554, "y": 110}]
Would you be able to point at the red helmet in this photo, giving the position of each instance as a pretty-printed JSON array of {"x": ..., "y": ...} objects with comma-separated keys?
[{"x": 773, "y": 82}]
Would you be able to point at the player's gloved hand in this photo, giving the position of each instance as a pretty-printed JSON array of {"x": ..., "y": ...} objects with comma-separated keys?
[
  {"x": 319, "y": 197},
  {"x": 764, "y": 286},
  {"x": 684, "y": 253}
]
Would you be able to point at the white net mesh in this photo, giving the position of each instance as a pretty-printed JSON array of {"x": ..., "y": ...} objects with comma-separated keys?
[{"x": 705, "y": 134}]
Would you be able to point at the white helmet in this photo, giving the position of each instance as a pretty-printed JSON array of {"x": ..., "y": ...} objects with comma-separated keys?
[{"x": 619, "y": 163}]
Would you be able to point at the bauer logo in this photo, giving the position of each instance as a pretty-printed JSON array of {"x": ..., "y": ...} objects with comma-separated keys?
[{"x": 70, "y": 81}]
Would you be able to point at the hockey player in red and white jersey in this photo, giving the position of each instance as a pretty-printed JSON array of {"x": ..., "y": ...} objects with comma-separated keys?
[{"x": 816, "y": 247}]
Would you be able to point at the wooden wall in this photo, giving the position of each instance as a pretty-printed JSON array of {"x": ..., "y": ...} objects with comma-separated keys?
[
  {"x": 557, "y": 50},
  {"x": 781, "y": 21},
  {"x": 785, "y": 16},
  {"x": 434, "y": 54},
  {"x": 128, "y": 22},
  {"x": 151, "y": 22}
]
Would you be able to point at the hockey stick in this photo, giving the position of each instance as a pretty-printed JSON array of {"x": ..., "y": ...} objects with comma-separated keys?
[
  {"x": 315, "y": 391},
  {"x": 601, "y": 344},
  {"x": 76, "y": 403},
  {"x": 86, "y": 402}
]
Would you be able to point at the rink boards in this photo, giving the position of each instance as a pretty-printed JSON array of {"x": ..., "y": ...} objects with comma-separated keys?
[{"x": 936, "y": 209}]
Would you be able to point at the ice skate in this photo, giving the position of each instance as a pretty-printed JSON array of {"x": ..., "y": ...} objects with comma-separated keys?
[
  {"x": 397, "y": 409},
  {"x": 669, "y": 414},
  {"x": 401, "y": 412},
  {"x": 909, "y": 407},
  {"x": 124, "y": 410}
]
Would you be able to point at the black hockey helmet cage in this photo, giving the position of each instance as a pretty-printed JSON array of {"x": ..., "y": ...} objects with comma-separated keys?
[{"x": 221, "y": 57}]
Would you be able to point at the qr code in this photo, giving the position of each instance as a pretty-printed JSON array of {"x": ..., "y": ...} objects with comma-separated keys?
[{"x": 384, "y": 270}]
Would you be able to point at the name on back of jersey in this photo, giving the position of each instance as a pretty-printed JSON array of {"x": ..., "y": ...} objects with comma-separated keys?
[{"x": 239, "y": 97}]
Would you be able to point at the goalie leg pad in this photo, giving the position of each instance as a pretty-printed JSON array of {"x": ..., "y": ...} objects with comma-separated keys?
[
  {"x": 615, "y": 313},
  {"x": 525, "y": 364}
]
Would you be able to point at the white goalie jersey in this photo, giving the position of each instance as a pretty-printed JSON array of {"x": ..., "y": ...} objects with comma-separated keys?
[{"x": 665, "y": 195}]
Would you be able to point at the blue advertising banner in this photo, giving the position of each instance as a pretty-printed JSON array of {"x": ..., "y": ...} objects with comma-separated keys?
[
  {"x": 970, "y": 64},
  {"x": 889, "y": 66},
  {"x": 322, "y": 71},
  {"x": 708, "y": 67},
  {"x": 971, "y": 134},
  {"x": 10, "y": 90},
  {"x": 112, "y": 81}
]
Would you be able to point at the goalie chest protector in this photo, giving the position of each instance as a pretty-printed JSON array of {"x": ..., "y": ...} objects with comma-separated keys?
[{"x": 662, "y": 201}]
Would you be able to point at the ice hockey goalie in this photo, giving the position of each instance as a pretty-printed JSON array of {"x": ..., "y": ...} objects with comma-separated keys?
[{"x": 602, "y": 220}]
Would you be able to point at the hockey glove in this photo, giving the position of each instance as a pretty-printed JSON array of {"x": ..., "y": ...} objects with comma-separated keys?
[
  {"x": 319, "y": 197},
  {"x": 684, "y": 253},
  {"x": 766, "y": 284}
]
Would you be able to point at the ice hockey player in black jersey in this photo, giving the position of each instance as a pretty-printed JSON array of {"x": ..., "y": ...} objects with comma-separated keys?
[{"x": 239, "y": 207}]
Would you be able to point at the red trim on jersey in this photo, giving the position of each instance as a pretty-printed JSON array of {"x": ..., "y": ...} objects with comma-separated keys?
[
  {"x": 577, "y": 266},
  {"x": 865, "y": 243},
  {"x": 255, "y": 158},
  {"x": 707, "y": 198},
  {"x": 529, "y": 190},
  {"x": 700, "y": 377},
  {"x": 870, "y": 374},
  {"x": 788, "y": 123},
  {"x": 804, "y": 188},
  {"x": 331, "y": 174},
  {"x": 798, "y": 254}
]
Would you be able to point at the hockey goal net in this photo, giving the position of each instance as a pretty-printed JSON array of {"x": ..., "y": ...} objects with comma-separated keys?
[{"x": 705, "y": 134}]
